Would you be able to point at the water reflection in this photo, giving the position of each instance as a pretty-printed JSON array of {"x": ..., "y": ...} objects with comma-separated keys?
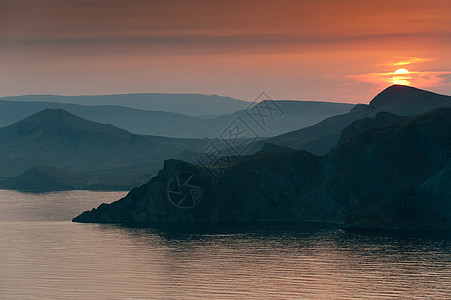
[
  {"x": 309, "y": 260},
  {"x": 44, "y": 258}
]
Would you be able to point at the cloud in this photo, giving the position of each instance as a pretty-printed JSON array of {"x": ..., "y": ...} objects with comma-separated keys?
[
  {"x": 271, "y": 43},
  {"x": 408, "y": 61},
  {"x": 421, "y": 79},
  {"x": 220, "y": 26},
  {"x": 170, "y": 44}
]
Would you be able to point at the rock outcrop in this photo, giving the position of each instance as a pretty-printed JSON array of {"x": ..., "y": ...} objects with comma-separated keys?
[
  {"x": 259, "y": 188},
  {"x": 320, "y": 138},
  {"x": 387, "y": 172}
]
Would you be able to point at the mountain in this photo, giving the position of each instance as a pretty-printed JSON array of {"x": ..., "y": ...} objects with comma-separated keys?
[
  {"x": 187, "y": 104},
  {"x": 264, "y": 119},
  {"x": 290, "y": 115},
  {"x": 130, "y": 119},
  {"x": 57, "y": 138},
  {"x": 322, "y": 137},
  {"x": 386, "y": 172},
  {"x": 401, "y": 174}
]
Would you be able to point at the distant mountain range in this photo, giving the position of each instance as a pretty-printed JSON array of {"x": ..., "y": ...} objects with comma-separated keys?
[
  {"x": 386, "y": 171},
  {"x": 134, "y": 120},
  {"x": 291, "y": 115},
  {"x": 57, "y": 138},
  {"x": 265, "y": 119},
  {"x": 187, "y": 104},
  {"x": 59, "y": 146}
]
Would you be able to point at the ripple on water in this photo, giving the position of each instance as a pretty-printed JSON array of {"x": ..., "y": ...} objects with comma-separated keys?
[{"x": 62, "y": 260}]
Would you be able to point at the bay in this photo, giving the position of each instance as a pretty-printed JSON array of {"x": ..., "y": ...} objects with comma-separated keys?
[{"x": 43, "y": 255}]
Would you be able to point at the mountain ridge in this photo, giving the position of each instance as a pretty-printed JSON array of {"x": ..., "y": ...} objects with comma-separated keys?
[
  {"x": 323, "y": 136},
  {"x": 57, "y": 138},
  {"x": 402, "y": 162},
  {"x": 130, "y": 119},
  {"x": 294, "y": 115},
  {"x": 199, "y": 104}
]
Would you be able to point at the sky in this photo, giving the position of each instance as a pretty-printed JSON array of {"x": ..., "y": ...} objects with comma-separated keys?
[{"x": 340, "y": 51}]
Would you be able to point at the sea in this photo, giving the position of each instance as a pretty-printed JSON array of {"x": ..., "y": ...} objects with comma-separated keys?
[{"x": 43, "y": 255}]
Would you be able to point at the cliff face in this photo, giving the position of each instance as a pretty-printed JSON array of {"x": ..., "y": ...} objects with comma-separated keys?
[
  {"x": 263, "y": 187},
  {"x": 409, "y": 175},
  {"x": 387, "y": 172},
  {"x": 400, "y": 175}
]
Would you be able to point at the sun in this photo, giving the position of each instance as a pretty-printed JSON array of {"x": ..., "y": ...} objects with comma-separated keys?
[{"x": 401, "y": 76}]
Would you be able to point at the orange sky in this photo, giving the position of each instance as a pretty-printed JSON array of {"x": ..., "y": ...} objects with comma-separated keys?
[{"x": 308, "y": 50}]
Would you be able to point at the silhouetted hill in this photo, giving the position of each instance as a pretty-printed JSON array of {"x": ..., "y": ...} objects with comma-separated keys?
[
  {"x": 60, "y": 139},
  {"x": 290, "y": 115},
  {"x": 322, "y": 137},
  {"x": 187, "y": 104},
  {"x": 388, "y": 172},
  {"x": 406, "y": 100},
  {"x": 133, "y": 120}
]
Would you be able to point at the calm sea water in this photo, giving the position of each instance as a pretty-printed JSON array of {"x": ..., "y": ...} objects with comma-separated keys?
[{"x": 45, "y": 256}]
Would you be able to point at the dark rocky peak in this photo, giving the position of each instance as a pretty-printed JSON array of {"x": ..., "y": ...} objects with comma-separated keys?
[
  {"x": 395, "y": 94},
  {"x": 405, "y": 100}
]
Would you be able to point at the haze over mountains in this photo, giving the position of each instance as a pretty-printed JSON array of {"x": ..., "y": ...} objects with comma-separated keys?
[
  {"x": 322, "y": 137},
  {"x": 57, "y": 138},
  {"x": 134, "y": 120},
  {"x": 386, "y": 171},
  {"x": 279, "y": 117},
  {"x": 291, "y": 115},
  {"x": 187, "y": 104}
]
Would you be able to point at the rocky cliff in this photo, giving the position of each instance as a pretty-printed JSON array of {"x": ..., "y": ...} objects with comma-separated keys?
[
  {"x": 387, "y": 172},
  {"x": 322, "y": 137}
]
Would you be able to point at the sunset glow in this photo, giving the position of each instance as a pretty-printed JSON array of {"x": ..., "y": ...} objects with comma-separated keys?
[
  {"x": 291, "y": 49},
  {"x": 401, "y": 76},
  {"x": 214, "y": 149}
]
